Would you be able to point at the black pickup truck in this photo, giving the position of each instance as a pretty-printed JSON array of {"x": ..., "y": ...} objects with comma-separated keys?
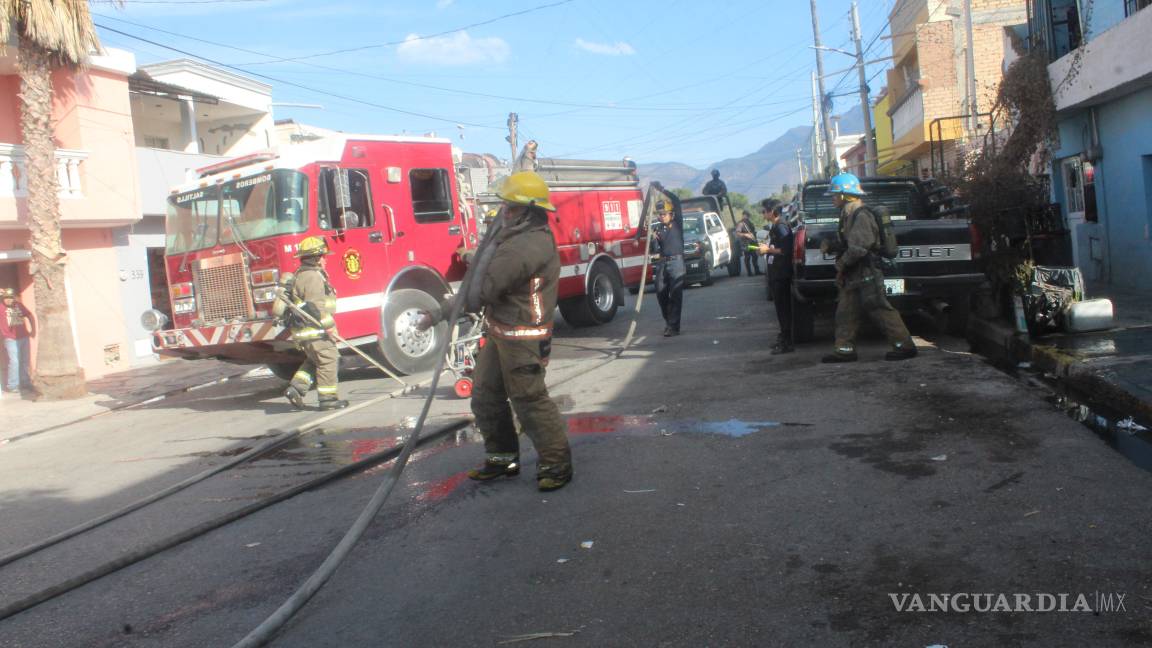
[{"x": 938, "y": 266}]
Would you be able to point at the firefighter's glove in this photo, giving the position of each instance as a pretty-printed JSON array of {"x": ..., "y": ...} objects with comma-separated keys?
[{"x": 423, "y": 321}]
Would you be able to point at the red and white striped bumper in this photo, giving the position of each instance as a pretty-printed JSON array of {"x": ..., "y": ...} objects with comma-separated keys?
[{"x": 196, "y": 339}]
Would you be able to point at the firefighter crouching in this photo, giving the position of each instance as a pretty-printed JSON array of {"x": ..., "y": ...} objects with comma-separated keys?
[
  {"x": 311, "y": 292},
  {"x": 859, "y": 278},
  {"x": 517, "y": 291}
]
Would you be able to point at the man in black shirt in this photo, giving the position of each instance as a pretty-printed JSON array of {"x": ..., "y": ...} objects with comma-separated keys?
[
  {"x": 669, "y": 244},
  {"x": 780, "y": 270}
]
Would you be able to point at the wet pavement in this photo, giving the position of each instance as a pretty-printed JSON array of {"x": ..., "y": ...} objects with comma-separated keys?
[
  {"x": 1107, "y": 373},
  {"x": 723, "y": 496}
]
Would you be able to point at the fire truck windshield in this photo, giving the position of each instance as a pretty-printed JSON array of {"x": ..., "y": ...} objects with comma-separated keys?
[{"x": 269, "y": 204}]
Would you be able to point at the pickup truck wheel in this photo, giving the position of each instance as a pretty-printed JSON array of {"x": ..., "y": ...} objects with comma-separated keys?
[
  {"x": 403, "y": 347},
  {"x": 957, "y": 319},
  {"x": 600, "y": 304},
  {"x": 707, "y": 270},
  {"x": 803, "y": 321},
  {"x": 283, "y": 370}
]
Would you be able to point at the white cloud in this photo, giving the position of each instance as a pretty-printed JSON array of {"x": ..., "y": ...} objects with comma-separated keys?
[
  {"x": 453, "y": 49},
  {"x": 607, "y": 49}
]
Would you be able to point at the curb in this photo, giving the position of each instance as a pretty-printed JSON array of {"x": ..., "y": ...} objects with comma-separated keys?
[
  {"x": 1087, "y": 379},
  {"x": 128, "y": 405}
]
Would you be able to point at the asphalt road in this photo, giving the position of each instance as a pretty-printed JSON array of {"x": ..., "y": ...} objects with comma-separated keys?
[{"x": 730, "y": 498}]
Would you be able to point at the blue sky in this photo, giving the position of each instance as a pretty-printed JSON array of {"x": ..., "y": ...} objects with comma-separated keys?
[{"x": 675, "y": 80}]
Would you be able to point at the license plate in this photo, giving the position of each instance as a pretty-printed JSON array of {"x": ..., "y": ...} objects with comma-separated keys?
[{"x": 893, "y": 286}]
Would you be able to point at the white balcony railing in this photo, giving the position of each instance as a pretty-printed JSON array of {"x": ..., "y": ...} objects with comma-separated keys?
[
  {"x": 909, "y": 115},
  {"x": 14, "y": 172}
]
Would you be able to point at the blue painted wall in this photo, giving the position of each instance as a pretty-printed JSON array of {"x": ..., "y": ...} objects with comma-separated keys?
[{"x": 1117, "y": 249}]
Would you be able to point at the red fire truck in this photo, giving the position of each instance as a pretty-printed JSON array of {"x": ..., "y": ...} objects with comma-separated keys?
[{"x": 396, "y": 216}]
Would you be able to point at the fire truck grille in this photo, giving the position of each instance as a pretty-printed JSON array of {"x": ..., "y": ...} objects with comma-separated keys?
[{"x": 222, "y": 292}]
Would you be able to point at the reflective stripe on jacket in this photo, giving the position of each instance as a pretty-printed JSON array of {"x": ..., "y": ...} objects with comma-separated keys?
[
  {"x": 519, "y": 289},
  {"x": 313, "y": 294}
]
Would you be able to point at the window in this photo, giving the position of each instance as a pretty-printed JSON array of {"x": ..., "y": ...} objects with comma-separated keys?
[
  {"x": 345, "y": 199},
  {"x": 151, "y": 141},
  {"x": 431, "y": 195},
  {"x": 1132, "y": 6},
  {"x": 1065, "y": 21},
  {"x": 1080, "y": 190}
]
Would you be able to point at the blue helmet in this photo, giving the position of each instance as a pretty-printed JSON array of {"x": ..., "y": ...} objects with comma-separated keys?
[{"x": 847, "y": 184}]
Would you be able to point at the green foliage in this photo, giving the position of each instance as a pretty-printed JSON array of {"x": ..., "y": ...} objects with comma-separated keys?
[{"x": 683, "y": 193}]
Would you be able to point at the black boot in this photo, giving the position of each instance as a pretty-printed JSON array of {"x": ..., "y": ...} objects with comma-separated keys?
[
  {"x": 902, "y": 352},
  {"x": 332, "y": 403},
  {"x": 553, "y": 477},
  {"x": 494, "y": 467},
  {"x": 782, "y": 346},
  {"x": 295, "y": 397},
  {"x": 839, "y": 357}
]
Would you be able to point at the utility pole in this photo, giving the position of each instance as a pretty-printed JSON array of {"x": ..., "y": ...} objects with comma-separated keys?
[
  {"x": 513, "y": 120},
  {"x": 870, "y": 160},
  {"x": 817, "y": 153},
  {"x": 800, "y": 164},
  {"x": 970, "y": 63},
  {"x": 829, "y": 145}
]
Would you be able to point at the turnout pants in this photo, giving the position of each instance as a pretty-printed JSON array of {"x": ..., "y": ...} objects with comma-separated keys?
[
  {"x": 670, "y": 289},
  {"x": 863, "y": 294},
  {"x": 509, "y": 377},
  {"x": 322, "y": 366}
]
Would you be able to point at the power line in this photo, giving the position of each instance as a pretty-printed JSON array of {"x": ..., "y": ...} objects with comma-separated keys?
[
  {"x": 300, "y": 86},
  {"x": 415, "y": 38},
  {"x": 415, "y": 84}
]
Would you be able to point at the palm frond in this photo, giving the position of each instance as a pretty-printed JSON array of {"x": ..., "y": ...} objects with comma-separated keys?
[{"x": 62, "y": 27}]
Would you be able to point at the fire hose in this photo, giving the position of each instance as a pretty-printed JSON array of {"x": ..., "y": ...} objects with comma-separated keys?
[
  {"x": 333, "y": 334},
  {"x": 270, "y": 626}
]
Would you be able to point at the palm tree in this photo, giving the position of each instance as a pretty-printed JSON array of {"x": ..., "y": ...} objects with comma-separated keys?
[{"x": 50, "y": 34}]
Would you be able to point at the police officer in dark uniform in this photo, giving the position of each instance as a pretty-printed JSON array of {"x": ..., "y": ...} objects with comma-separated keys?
[
  {"x": 669, "y": 245},
  {"x": 746, "y": 232},
  {"x": 716, "y": 187},
  {"x": 780, "y": 271}
]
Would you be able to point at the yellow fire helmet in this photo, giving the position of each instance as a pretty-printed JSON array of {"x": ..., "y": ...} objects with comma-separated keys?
[
  {"x": 525, "y": 188},
  {"x": 311, "y": 247}
]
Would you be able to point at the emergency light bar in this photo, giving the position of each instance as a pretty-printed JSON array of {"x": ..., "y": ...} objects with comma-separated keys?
[{"x": 236, "y": 163}]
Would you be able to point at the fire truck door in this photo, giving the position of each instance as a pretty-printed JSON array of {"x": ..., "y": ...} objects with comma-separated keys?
[
  {"x": 351, "y": 225},
  {"x": 427, "y": 216}
]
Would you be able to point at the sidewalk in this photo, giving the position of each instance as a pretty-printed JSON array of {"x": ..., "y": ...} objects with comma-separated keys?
[
  {"x": 1112, "y": 369},
  {"x": 112, "y": 392}
]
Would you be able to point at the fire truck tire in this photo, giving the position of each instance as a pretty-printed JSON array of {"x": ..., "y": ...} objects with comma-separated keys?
[
  {"x": 283, "y": 370},
  {"x": 599, "y": 305},
  {"x": 404, "y": 348}
]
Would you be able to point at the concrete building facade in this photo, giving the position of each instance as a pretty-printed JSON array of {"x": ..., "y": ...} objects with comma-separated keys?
[
  {"x": 1101, "y": 76},
  {"x": 928, "y": 87},
  {"x": 93, "y": 129}
]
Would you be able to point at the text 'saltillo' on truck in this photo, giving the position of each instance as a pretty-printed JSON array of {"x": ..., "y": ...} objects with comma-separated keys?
[
  {"x": 396, "y": 212},
  {"x": 938, "y": 265}
]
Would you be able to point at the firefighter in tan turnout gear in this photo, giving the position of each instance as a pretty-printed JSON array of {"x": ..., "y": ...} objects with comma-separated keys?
[
  {"x": 311, "y": 292},
  {"x": 859, "y": 277},
  {"x": 517, "y": 291}
]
